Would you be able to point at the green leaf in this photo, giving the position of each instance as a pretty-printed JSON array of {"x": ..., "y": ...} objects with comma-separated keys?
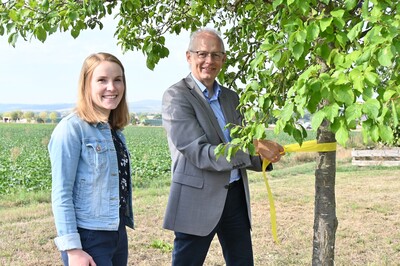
[
  {"x": 249, "y": 7},
  {"x": 12, "y": 39},
  {"x": 230, "y": 153},
  {"x": 342, "y": 135},
  {"x": 332, "y": 111},
  {"x": 150, "y": 63},
  {"x": 355, "y": 31},
  {"x": 374, "y": 133},
  {"x": 372, "y": 77},
  {"x": 325, "y": 23},
  {"x": 365, "y": 56},
  {"x": 40, "y": 33},
  {"x": 301, "y": 36},
  {"x": 75, "y": 32},
  {"x": 353, "y": 112},
  {"x": 314, "y": 98},
  {"x": 73, "y": 15},
  {"x": 317, "y": 119},
  {"x": 339, "y": 23},
  {"x": 219, "y": 150},
  {"x": 164, "y": 52},
  {"x": 386, "y": 133},
  {"x": 312, "y": 32},
  {"x": 276, "y": 57},
  {"x": 395, "y": 117},
  {"x": 350, "y": 4},
  {"x": 297, "y": 135},
  {"x": 260, "y": 132},
  {"x": 276, "y": 3},
  {"x": 342, "y": 39},
  {"x": 371, "y": 108},
  {"x": 45, "y": 4},
  {"x": 298, "y": 50},
  {"x": 287, "y": 112},
  {"x": 341, "y": 78},
  {"x": 353, "y": 56},
  {"x": 338, "y": 60},
  {"x": 324, "y": 51},
  {"x": 385, "y": 56},
  {"x": 387, "y": 95},
  {"x": 344, "y": 94},
  {"x": 13, "y": 15},
  {"x": 337, "y": 13},
  {"x": 359, "y": 84}
]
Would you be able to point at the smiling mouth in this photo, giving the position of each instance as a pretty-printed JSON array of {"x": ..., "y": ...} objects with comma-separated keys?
[{"x": 110, "y": 96}]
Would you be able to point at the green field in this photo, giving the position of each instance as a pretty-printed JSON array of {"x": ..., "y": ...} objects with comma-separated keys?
[{"x": 25, "y": 164}]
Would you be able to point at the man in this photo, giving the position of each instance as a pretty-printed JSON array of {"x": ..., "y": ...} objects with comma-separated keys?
[{"x": 208, "y": 196}]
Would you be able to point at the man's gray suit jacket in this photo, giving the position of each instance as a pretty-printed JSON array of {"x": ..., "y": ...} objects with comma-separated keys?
[{"x": 198, "y": 186}]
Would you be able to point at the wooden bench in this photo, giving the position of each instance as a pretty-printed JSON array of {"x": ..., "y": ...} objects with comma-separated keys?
[{"x": 384, "y": 157}]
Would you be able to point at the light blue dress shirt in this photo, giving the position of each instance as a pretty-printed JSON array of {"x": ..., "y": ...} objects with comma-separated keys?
[{"x": 216, "y": 107}]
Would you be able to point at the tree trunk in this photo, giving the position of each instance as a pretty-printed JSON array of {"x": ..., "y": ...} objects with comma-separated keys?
[{"x": 325, "y": 220}]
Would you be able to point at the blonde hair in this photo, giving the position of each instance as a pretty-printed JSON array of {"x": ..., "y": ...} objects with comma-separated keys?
[{"x": 85, "y": 108}]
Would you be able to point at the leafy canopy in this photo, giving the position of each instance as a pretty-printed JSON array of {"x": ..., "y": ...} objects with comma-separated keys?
[{"x": 338, "y": 60}]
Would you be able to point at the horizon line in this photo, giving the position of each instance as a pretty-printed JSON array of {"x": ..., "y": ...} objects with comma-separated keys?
[{"x": 16, "y": 103}]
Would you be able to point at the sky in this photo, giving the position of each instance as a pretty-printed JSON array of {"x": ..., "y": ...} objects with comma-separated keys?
[{"x": 47, "y": 73}]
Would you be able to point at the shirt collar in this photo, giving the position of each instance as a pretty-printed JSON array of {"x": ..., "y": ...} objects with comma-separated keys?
[{"x": 217, "y": 89}]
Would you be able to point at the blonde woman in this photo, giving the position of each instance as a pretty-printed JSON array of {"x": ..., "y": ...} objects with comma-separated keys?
[{"x": 91, "y": 180}]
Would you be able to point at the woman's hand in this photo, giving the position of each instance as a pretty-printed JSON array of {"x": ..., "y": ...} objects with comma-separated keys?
[
  {"x": 269, "y": 150},
  {"x": 78, "y": 257}
]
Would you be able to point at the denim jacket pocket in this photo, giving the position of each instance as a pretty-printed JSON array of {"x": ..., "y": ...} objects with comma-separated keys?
[{"x": 97, "y": 153}]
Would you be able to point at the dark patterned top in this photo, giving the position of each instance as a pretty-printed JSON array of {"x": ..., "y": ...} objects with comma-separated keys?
[{"x": 123, "y": 169}]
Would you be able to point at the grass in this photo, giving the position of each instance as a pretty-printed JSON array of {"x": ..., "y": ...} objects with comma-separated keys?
[{"x": 367, "y": 205}]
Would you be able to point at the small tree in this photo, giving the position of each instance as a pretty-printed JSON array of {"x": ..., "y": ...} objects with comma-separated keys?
[
  {"x": 53, "y": 116},
  {"x": 16, "y": 115},
  {"x": 29, "y": 115},
  {"x": 43, "y": 116}
]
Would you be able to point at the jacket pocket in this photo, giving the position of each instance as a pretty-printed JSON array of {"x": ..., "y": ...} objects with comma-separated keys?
[
  {"x": 97, "y": 153},
  {"x": 188, "y": 180}
]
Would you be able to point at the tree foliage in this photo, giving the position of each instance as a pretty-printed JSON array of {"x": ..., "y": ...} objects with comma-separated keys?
[{"x": 337, "y": 59}]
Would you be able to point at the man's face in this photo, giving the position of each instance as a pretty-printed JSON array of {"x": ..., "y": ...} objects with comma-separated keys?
[{"x": 206, "y": 58}]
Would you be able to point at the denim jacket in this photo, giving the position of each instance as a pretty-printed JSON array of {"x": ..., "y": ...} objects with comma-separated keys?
[{"x": 85, "y": 180}]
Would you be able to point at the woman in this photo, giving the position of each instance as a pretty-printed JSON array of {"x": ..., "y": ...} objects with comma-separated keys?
[{"x": 91, "y": 180}]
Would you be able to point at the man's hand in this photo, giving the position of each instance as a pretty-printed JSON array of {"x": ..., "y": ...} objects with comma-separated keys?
[
  {"x": 269, "y": 150},
  {"x": 78, "y": 257}
]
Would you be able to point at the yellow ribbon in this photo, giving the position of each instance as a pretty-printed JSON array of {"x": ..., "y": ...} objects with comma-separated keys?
[{"x": 307, "y": 146}]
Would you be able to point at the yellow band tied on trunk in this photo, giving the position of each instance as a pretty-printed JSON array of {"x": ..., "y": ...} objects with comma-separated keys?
[{"x": 307, "y": 146}]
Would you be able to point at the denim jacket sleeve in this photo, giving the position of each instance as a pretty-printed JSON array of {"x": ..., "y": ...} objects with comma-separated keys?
[{"x": 64, "y": 150}]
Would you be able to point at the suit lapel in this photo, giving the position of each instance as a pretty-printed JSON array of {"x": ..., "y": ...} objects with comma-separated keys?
[{"x": 196, "y": 92}]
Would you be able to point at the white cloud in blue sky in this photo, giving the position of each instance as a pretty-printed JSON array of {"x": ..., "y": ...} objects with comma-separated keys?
[{"x": 41, "y": 73}]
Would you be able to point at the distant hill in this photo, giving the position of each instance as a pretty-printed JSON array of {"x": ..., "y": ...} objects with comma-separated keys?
[{"x": 145, "y": 106}]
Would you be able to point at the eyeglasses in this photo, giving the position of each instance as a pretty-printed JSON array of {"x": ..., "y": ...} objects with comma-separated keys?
[{"x": 204, "y": 54}]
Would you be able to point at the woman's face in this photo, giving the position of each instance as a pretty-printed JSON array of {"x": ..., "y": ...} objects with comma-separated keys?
[{"x": 107, "y": 86}]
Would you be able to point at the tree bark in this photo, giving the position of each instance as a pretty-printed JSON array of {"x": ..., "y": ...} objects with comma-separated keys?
[{"x": 325, "y": 220}]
